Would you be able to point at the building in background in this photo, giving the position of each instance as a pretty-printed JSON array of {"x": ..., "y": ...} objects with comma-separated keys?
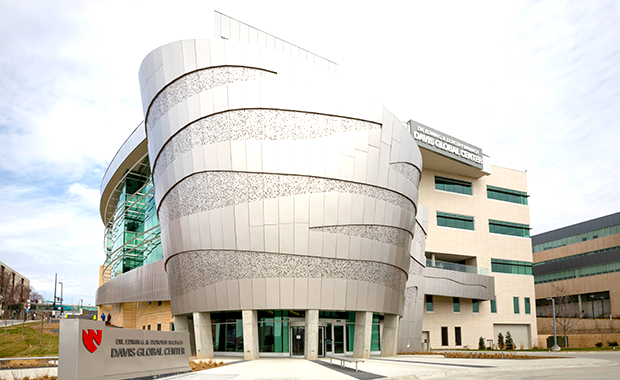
[
  {"x": 581, "y": 264},
  {"x": 478, "y": 279},
  {"x": 14, "y": 289}
]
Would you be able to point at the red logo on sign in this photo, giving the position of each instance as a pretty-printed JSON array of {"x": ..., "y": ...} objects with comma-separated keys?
[{"x": 89, "y": 339}]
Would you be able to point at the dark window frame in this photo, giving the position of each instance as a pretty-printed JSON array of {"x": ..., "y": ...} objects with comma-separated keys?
[{"x": 452, "y": 185}]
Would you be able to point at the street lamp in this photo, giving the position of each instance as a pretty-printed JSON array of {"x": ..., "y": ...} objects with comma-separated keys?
[
  {"x": 555, "y": 334},
  {"x": 61, "y": 309}
]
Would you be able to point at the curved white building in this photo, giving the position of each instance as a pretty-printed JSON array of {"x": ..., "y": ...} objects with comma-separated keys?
[{"x": 286, "y": 203}]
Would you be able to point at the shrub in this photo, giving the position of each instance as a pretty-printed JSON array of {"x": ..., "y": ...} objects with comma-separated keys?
[
  {"x": 599, "y": 344},
  {"x": 500, "y": 341},
  {"x": 612, "y": 344},
  {"x": 510, "y": 345},
  {"x": 481, "y": 343}
]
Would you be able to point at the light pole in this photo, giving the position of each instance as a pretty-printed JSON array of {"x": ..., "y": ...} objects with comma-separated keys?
[
  {"x": 555, "y": 334},
  {"x": 61, "y": 309}
]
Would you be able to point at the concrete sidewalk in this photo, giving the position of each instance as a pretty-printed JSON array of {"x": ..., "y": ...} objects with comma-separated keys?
[
  {"x": 401, "y": 367},
  {"x": 398, "y": 368}
]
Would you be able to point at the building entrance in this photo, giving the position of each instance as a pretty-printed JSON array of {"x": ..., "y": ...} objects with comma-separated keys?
[
  {"x": 297, "y": 340},
  {"x": 335, "y": 338},
  {"x": 331, "y": 339},
  {"x": 321, "y": 351}
]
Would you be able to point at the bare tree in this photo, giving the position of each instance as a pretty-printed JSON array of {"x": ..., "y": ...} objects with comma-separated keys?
[
  {"x": 9, "y": 295},
  {"x": 35, "y": 296},
  {"x": 566, "y": 311}
]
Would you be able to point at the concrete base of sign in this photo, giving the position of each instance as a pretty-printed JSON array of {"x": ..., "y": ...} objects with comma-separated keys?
[{"x": 89, "y": 350}]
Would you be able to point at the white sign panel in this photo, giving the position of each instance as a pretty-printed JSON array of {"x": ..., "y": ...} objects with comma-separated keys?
[
  {"x": 446, "y": 145},
  {"x": 90, "y": 350}
]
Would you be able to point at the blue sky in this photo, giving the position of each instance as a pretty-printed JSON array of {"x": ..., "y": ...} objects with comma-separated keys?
[{"x": 536, "y": 85}]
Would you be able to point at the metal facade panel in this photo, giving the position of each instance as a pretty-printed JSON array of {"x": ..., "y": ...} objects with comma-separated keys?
[{"x": 336, "y": 174}]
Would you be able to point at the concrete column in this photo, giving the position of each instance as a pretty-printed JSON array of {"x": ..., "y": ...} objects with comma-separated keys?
[
  {"x": 311, "y": 342},
  {"x": 204, "y": 338},
  {"x": 433, "y": 259},
  {"x": 363, "y": 334},
  {"x": 180, "y": 323},
  {"x": 389, "y": 338},
  {"x": 250, "y": 334},
  {"x": 580, "y": 306}
]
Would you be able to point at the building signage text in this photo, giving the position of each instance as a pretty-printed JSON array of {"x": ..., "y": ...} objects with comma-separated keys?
[
  {"x": 448, "y": 144},
  {"x": 130, "y": 352}
]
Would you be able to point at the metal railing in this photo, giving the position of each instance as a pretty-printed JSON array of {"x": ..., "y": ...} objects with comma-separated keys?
[
  {"x": 456, "y": 267},
  {"x": 46, "y": 358}
]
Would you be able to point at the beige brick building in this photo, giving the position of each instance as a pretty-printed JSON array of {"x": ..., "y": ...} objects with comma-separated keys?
[
  {"x": 478, "y": 224},
  {"x": 582, "y": 263}
]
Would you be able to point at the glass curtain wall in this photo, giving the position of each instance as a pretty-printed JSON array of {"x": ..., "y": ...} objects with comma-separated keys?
[
  {"x": 273, "y": 330},
  {"x": 132, "y": 237}
]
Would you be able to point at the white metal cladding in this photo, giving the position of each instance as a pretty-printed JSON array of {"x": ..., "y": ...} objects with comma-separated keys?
[
  {"x": 312, "y": 181},
  {"x": 146, "y": 283}
]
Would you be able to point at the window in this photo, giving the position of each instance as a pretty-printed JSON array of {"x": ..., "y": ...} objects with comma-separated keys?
[
  {"x": 511, "y": 266},
  {"x": 494, "y": 305},
  {"x": 527, "y": 305},
  {"x": 149, "y": 303},
  {"x": 515, "y": 302},
  {"x": 475, "y": 306},
  {"x": 507, "y": 195},
  {"x": 509, "y": 228},
  {"x": 455, "y": 221},
  {"x": 158, "y": 303},
  {"x": 444, "y": 336},
  {"x": 429, "y": 302},
  {"x": 456, "y": 304},
  {"x": 148, "y": 327},
  {"x": 579, "y": 272},
  {"x": 143, "y": 327},
  {"x": 171, "y": 326},
  {"x": 578, "y": 238},
  {"x": 453, "y": 185},
  {"x": 159, "y": 327},
  {"x": 457, "y": 336}
]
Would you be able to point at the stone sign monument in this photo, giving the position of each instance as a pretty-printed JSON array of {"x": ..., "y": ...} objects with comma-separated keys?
[{"x": 90, "y": 350}]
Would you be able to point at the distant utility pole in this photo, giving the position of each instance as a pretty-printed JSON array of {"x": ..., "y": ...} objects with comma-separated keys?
[{"x": 54, "y": 302}]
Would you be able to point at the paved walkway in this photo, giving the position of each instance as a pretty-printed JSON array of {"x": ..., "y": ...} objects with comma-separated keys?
[
  {"x": 568, "y": 365},
  {"x": 404, "y": 367}
]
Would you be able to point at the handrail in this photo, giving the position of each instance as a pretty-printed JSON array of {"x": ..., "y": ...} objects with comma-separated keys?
[
  {"x": 48, "y": 358},
  {"x": 456, "y": 267}
]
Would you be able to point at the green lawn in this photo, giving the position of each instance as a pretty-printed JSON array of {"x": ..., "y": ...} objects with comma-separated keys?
[{"x": 13, "y": 345}]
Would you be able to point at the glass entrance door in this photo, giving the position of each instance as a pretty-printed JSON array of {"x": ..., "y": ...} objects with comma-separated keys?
[
  {"x": 297, "y": 340},
  {"x": 339, "y": 336},
  {"x": 321, "y": 350}
]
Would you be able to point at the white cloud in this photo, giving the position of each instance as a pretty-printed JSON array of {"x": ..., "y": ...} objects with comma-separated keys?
[{"x": 90, "y": 196}]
